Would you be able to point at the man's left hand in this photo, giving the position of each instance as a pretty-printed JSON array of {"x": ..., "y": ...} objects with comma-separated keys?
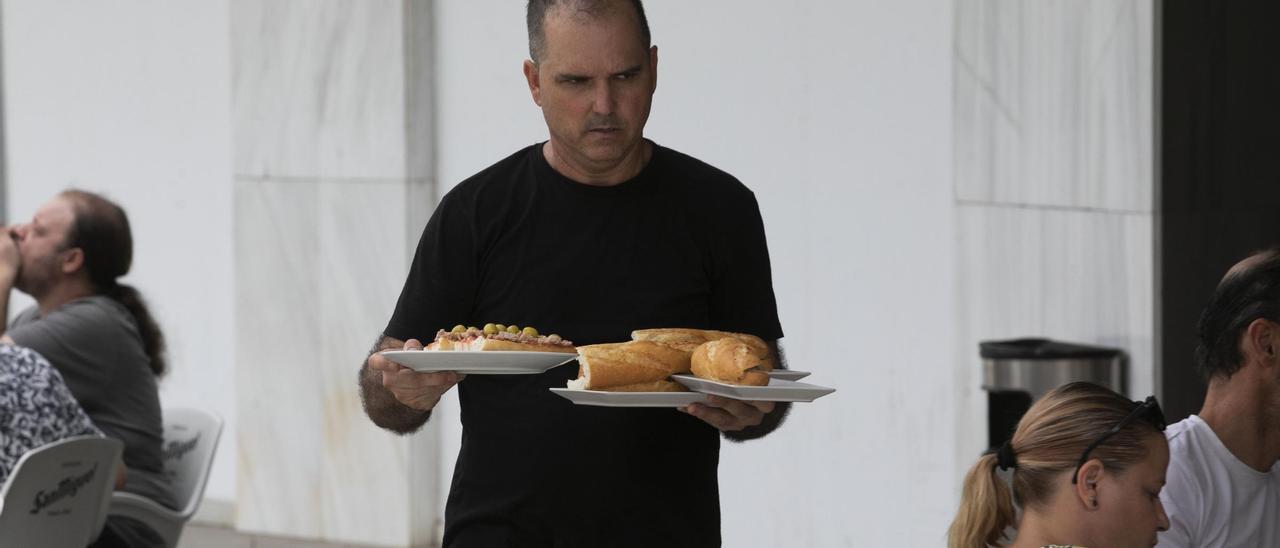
[{"x": 729, "y": 415}]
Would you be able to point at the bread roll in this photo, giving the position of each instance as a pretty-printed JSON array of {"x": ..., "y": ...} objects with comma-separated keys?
[
  {"x": 652, "y": 386},
  {"x": 688, "y": 340},
  {"x": 729, "y": 360},
  {"x": 602, "y": 366},
  {"x": 490, "y": 345}
]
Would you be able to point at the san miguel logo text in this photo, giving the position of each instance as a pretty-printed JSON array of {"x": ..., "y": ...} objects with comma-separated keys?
[
  {"x": 66, "y": 488},
  {"x": 176, "y": 449}
]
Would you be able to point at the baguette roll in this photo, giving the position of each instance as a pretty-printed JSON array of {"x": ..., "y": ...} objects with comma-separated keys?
[
  {"x": 487, "y": 344},
  {"x": 440, "y": 344},
  {"x": 729, "y": 360},
  {"x": 602, "y": 366},
  {"x": 689, "y": 340},
  {"x": 652, "y": 386}
]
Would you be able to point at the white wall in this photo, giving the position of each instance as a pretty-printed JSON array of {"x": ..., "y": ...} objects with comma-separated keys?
[
  {"x": 838, "y": 115},
  {"x": 131, "y": 99}
]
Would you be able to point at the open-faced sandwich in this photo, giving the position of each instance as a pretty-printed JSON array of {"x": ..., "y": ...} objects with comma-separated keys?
[{"x": 498, "y": 337}]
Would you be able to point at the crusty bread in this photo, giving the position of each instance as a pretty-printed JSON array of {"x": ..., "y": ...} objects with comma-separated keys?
[
  {"x": 729, "y": 360},
  {"x": 440, "y": 344},
  {"x": 602, "y": 366},
  {"x": 490, "y": 345},
  {"x": 652, "y": 386},
  {"x": 688, "y": 340}
]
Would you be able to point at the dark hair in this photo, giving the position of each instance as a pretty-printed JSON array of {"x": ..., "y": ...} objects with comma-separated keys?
[
  {"x": 1251, "y": 290},
  {"x": 536, "y": 16},
  {"x": 101, "y": 229}
]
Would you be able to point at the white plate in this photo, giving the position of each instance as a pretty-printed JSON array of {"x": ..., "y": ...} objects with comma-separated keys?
[
  {"x": 630, "y": 399},
  {"x": 479, "y": 363},
  {"x": 788, "y": 375},
  {"x": 777, "y": 390}
]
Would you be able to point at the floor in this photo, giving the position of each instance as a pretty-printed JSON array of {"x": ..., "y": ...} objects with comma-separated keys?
[{"x": 205, "y": 536}]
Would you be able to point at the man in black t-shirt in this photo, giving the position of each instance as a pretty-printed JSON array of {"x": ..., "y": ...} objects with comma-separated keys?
[{"x": 591, "y": 234}]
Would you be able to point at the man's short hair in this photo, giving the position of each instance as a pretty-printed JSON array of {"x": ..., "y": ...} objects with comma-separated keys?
[
  {"x": 536, "y": 16},
  {"x": 1250, "y": 291}
]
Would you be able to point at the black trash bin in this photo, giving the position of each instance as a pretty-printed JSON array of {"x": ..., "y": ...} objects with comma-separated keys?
[{"x": 1017, "y": 372}]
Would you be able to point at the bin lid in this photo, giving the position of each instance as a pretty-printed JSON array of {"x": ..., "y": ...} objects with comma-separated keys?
[{"x": 1042, "y": 349}]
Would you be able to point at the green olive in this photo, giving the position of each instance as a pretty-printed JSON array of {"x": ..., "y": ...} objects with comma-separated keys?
[
  {"x": 490, "y": 329},
  {"x": 530, "y": 332},
  {"x": 513, "y": 329},
  {"x": 554, "y": 338},
  {"x": 501, "y": 327}
]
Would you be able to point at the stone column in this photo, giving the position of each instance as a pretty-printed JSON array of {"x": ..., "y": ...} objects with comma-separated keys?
[{"x": 333, "y": 165}]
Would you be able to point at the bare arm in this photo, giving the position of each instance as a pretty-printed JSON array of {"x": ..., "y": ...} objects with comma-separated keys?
[{"x": 395, "y": 397}]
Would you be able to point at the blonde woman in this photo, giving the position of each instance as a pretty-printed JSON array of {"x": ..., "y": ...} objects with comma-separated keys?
[{"x": 1088, "y": 466}]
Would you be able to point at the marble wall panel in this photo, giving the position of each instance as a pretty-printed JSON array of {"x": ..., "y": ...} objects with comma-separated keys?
[
  {"x": 319, "y": 88},
  {"x": 1053, "y": 103},
  {"x": 278, "y": 468},
  {"x": 1082, "y": 276},
  {"x": 361, "y": 269},
  {"x": 321, "y": 267}
]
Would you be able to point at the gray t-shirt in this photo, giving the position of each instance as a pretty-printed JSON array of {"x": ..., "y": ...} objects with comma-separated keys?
[{"x": 94, "y": 343}]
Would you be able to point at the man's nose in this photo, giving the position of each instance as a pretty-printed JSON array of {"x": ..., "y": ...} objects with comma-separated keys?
[
  {"x": 19, "y": 232},
  {"x": 1162, "y": 520},
  {"x": 604, "y": 98}
]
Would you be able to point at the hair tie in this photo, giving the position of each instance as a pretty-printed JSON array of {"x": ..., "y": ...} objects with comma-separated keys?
[{"x": 1005, "y": 458}]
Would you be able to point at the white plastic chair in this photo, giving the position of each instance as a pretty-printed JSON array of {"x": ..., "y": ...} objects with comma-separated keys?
[
  {"x": 57, "y": 494},
  {"x": 190, "y": 440}
]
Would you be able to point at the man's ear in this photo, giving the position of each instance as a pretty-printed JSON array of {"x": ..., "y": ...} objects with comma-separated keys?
[
  {"x": 1262, "y": 339},
  {"x": 1086, "y": 486},
  {"x": 653, "y": 68},
  {"x": 72, "y": 260},
  {"x": 531, "y": 77}
]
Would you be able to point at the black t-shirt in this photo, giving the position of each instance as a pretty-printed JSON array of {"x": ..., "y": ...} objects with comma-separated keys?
[{"x": 679, "y": 245}]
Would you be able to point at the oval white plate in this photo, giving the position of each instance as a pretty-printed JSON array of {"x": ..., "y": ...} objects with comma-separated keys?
[
  {"x": 777, "y": 390},
  {"x": 630, "y": 399},
  {"x": 788, "y": 375},
  {"x": 479, "y": 363}
]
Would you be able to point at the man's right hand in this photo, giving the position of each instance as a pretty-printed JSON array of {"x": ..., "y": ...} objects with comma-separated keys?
[
  {"x": 421, "y": 391},
  {"x": 10, "y": 257}
]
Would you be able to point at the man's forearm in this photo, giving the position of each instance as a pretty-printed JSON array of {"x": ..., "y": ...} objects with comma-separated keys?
[{"x": 381, "y": 405}]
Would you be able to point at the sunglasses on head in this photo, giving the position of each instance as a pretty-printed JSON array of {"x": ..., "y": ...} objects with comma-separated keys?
[{"x": 1148, "y": 410}]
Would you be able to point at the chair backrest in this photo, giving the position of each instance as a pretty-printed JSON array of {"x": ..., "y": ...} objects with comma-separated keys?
[
  {"x": 190, "y": 439},
  {"x": 57, "y": 494}
]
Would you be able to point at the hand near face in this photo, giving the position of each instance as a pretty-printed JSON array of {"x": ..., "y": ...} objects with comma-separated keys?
[
  {"x": 10, "y": 258},
  {"x": 729, "y": 415},
  {"x": 421, "y": 391}
]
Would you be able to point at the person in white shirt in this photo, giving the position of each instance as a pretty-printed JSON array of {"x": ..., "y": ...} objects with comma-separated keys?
[{"x": 1223, "y": 486}]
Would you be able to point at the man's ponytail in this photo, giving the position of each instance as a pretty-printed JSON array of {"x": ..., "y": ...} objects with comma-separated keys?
[{"x": 152, "y": 337}]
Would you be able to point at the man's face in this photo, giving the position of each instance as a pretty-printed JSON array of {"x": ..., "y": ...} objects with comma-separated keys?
[
  {"x": 595, "y": 84},
  {"x": 42, "y": 246}
]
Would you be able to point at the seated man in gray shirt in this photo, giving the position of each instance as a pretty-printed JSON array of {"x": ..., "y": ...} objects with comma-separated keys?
[{"x": 95, "y": 331}]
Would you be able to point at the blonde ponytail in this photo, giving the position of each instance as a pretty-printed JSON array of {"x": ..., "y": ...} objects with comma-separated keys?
[{"x": 986, "y": 508}]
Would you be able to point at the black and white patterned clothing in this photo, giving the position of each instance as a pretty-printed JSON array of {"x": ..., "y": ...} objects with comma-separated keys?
[{"x": 36, "y": 408}]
